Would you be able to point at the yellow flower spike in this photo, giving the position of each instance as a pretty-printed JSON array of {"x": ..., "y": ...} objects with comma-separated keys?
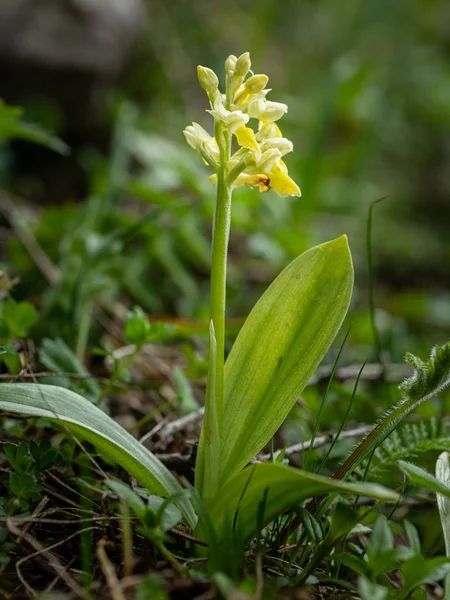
[
  {"x": 246, "y": 138},
  {"x": 280, "y": 181},
  {"x": 258, "y": 160}
]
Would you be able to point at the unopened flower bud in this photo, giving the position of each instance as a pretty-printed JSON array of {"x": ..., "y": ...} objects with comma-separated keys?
[
  {"x": 256, "y": 83},
  {"x": 243, "y": 65},
  {"x": 230, "y": 65},
  {"x": 207, "y": 79}
]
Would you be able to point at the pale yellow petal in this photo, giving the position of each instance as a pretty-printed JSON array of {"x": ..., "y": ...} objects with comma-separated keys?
[
  {"x": 246, "y": 138},
  {"x": 281, "y": 183}
]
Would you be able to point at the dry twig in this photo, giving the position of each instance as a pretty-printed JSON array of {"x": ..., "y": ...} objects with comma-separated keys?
[{"x": 109, "y": 572}]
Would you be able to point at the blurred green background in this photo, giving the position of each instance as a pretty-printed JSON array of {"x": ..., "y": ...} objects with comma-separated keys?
[{"x": 368, "y": 90}]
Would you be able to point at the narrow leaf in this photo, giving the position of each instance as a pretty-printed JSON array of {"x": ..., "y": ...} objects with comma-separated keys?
[
  {"x": 420, "y": 477},
  {"x": 284, "y": 487},
  {"x": 443, "y": 476},
  {"x": 90, "y": 423},
  {"x": 279, "y": 347}
]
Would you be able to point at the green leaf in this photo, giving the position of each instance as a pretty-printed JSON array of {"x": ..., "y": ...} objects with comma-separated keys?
[
  {"x": 236, "y": 505},
  {"x": 208, "y": 453},
  {"x": 419, "y": 571},
  {"x": 56, "y": 355},
  {"x": 413, "y": 537},
  {"x": 342, "y": 521},
  {"x": 371, "y": 591},
  {"x": 17, "y": 318},
  {"x": 443, "y": 502},
  {"x": 137, "y": 326},
  {"x": 12, "y": 126},
  {"x": 357, "y": 564},
  {"x": 90, "y": 423},
  {"x": 310, "y": 524},
  {"x": 443, "y": 476},
  {"x": 24, "y": 486},
  {"x": 186, "y": 399},
  {"x": 381, "y": 540},
  {"x": 129, "y": 496},
  {"x": 168, "y": 514},
  {"x": 279, "y": 347},
  {"x": 419, "y": 476}
]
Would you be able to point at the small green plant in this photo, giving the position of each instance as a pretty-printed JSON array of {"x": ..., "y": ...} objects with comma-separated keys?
[
  {"x": 14, "y": 126},
  {"x": 15, "y": 320},
  {"x": 27, "y": 462},
  {"x": 380, "y": 555}
]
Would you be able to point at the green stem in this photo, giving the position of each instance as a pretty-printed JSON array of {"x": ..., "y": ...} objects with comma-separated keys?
[
  {"x": 370, "y": 285},
  {"x": 207, "y": 472},
  {"x": 220, "y": 235},
  {"x": 83, "y": 330}
]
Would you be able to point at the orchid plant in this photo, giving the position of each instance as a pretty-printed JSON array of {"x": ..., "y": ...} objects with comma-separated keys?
[{"x": 275, "y": 354}]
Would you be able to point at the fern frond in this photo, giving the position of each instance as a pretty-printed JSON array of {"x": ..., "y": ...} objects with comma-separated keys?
[
  {"x": 430, "y": 377},
  {"x": 407, "y": 443}
]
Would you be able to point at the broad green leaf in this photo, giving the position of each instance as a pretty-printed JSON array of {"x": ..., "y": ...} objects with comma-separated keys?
[
  {"x": 280, "y": 346},
  {"x": 90, "y": 423},
  {"x": 236, "y": 505}
]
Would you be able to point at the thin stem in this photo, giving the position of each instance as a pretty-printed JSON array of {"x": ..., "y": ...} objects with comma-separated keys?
[
  {"x": 376, "y": 338},
  {"x": 221, "y": 229},
  {"x": 83, "y": 330}
]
